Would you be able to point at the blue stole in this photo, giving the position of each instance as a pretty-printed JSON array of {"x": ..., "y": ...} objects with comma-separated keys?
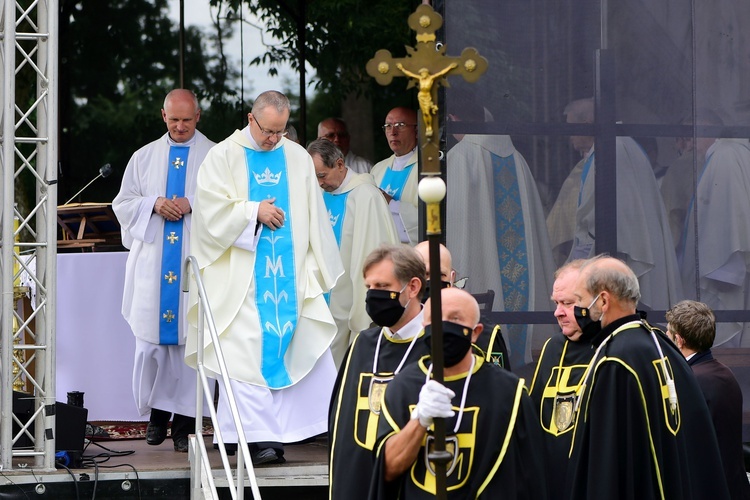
[
  {"x": 275, "y": 277},
  {"x": 584, "y": 174},
  {"x": 171, "y": 253},
  {"x": 393, "y": 181},
  {"x": 511, "y": 248},
  {"x": 336, "y": 205}
]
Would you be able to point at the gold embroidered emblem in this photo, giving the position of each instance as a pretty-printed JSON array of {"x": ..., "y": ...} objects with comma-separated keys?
[
  {"x": 178, "y": 163},
  {"x": 564, "y": 405},
  {"x": 172, "y": 237},
  {"x": 375, "y": 394},
  {"x": 171, "y": 277},
  {"x": 169, "y": 315}
]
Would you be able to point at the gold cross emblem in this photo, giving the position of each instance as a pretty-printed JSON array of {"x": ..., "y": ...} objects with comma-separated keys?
[
  {"x": 178, "y": 163},
  {"x": 171, "y": 277},
  {"x": 172, "y": 237},
  {"x": 427, "y": 67},
  {"x": 169, "y": 315}
]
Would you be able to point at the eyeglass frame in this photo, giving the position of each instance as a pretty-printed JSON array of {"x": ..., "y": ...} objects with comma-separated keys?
[
  {"x": 400, "y": 126},
  {"x": 268, "y": 133}
]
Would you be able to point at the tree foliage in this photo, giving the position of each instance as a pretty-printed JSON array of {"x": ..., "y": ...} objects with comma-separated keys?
[
  {"x": 340, "y": 36},
  {"x": 118, "y": 59}
]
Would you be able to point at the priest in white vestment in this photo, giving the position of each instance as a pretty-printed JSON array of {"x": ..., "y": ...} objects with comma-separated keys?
[
  {"x": 561, "y": 220},
  {"x": 336, "y": 131},
  {"x": 267, "y": 256},
  {"x": 154, "y": 211},
  {"x": 361, "y": 222},
  {"x": 644, "y": 239},
  {"x": 398, "y": 175},
  {"x": 496, "y": 232},
  {"x": 722, "y": 206}
]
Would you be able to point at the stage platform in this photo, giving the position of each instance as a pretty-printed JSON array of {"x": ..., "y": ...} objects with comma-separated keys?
[{"x": 160, "y": 472}]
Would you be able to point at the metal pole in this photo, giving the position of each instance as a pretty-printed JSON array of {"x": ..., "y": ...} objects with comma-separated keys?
[
  {"x": 182, "y": 44},
  {"x": 6, "y": 164}
]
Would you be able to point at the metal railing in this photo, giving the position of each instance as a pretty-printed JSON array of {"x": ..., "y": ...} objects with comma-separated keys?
[{"x": 200, "y": 468}]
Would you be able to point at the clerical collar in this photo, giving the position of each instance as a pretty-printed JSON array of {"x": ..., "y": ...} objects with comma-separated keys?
[
  {"x": 407, "y": 331},
  {"x": 347, "y": 178},
  {"x": 186, "y": 144},
  {"x": 401, "y": 162},
  {"x": 254, "y": 144}
]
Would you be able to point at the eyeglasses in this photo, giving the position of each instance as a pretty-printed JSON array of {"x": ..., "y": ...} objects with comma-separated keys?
[
  {"x": 268, "y": 133},
  {"x": 332, "y": 135},
  {"x": 400, "y": 126}
]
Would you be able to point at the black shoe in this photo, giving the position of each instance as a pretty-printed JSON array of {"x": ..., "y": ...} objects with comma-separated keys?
[
  {"x": 181, "y": 444},
  {"x": 266, "y": 456},
  {"x": 155, "y": 434}
]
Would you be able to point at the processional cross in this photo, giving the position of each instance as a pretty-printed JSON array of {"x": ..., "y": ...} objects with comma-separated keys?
[{"x": 427, "y": 67}]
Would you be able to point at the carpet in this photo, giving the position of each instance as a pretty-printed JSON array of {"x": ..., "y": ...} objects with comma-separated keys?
[{"x": 112, "y": 431}]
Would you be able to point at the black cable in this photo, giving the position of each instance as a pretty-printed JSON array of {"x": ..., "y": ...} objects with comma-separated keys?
[
  {"x": 137, "y": 478},
  {"x": 75, "y": 482},
  {"x": 96, "y": 480},
  {"x": 14, "y": 484}
]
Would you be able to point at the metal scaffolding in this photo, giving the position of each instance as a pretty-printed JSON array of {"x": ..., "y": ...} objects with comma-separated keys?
[{"x": 28, "y": 157}]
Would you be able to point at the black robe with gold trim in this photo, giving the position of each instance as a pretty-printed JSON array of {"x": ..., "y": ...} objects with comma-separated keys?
[
  {"x": 558, "y": 374},
  {"x": 355, "y": 409},
  {"x": 495, "y": 450},
  {"x": 628, "y": 443}
]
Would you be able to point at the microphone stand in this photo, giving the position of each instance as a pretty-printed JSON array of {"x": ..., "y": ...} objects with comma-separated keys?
[{"x": 103, "y": 172}]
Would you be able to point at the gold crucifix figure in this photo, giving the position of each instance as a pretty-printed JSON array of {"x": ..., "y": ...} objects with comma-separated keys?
[
  {"x": 427, "y": 67},
  {"x": 424, "y": 96}
]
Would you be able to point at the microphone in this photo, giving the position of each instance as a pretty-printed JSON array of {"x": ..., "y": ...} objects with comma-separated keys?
[{"x": 103, "y": 172}]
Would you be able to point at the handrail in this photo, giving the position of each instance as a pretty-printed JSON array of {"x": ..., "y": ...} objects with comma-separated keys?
[{"x": 244, "y": 462}]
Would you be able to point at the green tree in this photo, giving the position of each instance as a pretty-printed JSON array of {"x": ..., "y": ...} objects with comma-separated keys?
[{"x": 118, "y": 59}]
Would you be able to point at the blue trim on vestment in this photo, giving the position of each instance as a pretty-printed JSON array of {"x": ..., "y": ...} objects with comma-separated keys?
[
  {"x": 171, "y": 254},
  {"x": 275, "y": 276}
]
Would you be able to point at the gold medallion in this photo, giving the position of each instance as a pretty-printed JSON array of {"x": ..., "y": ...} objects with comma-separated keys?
[{"x": 564, "y": 405}]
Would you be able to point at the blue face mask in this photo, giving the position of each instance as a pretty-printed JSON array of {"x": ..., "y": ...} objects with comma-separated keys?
[{"x": 588, "y": 326}]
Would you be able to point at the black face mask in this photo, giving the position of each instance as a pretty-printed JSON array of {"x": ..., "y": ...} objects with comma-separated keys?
[
  {"x": 383, "y": 306},
  {"x": 456, "y": 341},
  {"x": 588, "y": 326},
  {"x": 426, "y": 290}
]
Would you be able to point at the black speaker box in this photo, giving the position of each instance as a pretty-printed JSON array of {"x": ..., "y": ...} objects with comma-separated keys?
[{"x": 70, "y": 423}]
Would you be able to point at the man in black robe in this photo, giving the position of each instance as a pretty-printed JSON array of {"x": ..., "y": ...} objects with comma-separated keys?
[
  {"x": 490, "y": 343},
  {"x": 557, "y": 379},
  {"x": 642, "y": 428},
  {"x": 692, "y": 327},
  {"x": 491, "y": 426},
  {"x": 394, "y": 276}
]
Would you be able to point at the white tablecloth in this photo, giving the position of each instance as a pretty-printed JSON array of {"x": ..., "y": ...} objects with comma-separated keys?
[{"x": 95, "y": 346}]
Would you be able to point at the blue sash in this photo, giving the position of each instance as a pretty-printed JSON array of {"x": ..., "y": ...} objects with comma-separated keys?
[
  {"x": 584, "y": 174},
  {"x": 393, "y": 181},
  {"x": 275, "y": 277},
  {"x": 336, "y": 205},
  {"x": 171, "y": 253},
  {"x": 511, "y": 248}
]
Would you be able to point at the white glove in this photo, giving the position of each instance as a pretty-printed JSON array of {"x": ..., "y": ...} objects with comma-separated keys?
[{"x": 434, "y": 402}]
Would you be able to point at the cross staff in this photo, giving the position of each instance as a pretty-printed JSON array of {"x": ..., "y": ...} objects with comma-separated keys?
[{"x": 427, "y": 67}]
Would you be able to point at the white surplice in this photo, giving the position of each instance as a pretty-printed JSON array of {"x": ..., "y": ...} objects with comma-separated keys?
[{"x": 155, "y": 375}]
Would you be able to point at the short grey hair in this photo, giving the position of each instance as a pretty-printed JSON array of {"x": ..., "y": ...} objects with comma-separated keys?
[
  {"x": 329, "y": 153},
  {"x": 271, "y": 98},
  {"x": 621, "y": 283}
]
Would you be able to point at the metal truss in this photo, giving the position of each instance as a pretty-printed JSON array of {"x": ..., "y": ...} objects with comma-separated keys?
[{"x": 28, "y": 158}]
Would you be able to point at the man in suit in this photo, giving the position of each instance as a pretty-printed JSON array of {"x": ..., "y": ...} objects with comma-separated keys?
[{"x": 692, "y": 327}]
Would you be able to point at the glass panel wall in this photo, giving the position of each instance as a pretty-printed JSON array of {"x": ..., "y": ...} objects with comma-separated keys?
[{"x": 601, "y": 126}]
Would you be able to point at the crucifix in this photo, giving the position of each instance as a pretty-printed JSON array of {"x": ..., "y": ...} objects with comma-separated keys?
[{"x": 427, "y": 67}]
